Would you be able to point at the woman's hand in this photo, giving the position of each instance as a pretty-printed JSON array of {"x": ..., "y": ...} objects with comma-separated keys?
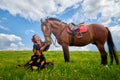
[{"x": 45, "y": 47}]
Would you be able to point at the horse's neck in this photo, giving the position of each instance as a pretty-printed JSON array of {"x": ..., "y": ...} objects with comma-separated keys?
[{"x": 57, "y": 29}]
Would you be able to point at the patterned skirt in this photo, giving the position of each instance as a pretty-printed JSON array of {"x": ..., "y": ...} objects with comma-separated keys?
[{"x": 37, "y": 62}]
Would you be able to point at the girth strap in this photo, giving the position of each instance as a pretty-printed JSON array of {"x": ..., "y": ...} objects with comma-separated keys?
[{"x": 72, "y": 38}]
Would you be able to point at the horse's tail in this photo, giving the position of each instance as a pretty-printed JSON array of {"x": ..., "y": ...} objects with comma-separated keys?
[{"x": 112, "y": 49}]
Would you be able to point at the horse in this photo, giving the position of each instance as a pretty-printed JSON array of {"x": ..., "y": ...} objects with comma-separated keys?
[{"x": 96, "y": 34}]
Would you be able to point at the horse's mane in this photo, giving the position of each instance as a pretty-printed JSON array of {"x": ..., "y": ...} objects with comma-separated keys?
[{"x": 55, "y": 19}]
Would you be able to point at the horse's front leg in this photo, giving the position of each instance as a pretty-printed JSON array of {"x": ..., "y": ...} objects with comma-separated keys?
[{"x": 66, "y": 52}]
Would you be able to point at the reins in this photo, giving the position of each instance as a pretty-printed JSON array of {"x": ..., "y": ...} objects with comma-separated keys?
[{"x": 47, "y": 42}]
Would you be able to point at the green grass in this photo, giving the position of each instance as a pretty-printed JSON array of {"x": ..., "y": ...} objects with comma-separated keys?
[{"x": 82, "y": 66}]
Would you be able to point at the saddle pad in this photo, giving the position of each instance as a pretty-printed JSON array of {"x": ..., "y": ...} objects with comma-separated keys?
[
  {"x": 68, "y": 29},
  {"x": 83, "y": 28}
]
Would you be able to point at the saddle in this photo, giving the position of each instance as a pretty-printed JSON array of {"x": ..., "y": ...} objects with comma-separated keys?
[{"x": 77, "y": 29}]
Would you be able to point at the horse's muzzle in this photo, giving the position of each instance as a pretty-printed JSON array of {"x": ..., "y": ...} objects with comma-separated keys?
[{"x": 48, "y": 42}]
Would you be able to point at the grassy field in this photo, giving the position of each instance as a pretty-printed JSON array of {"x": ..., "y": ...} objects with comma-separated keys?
[{"x": 82, "y": 66}]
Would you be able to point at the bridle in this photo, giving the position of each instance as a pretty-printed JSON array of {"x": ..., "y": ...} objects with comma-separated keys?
[
  {"x": 47, "y": 41},
  {"x": 48, "y": 35}
]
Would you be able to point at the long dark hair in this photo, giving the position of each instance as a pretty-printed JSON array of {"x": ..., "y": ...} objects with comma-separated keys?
[{"x": 33, "y": 38}]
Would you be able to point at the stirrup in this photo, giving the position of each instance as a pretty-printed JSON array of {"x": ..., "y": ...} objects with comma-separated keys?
[{"x": 79, "y": 35}]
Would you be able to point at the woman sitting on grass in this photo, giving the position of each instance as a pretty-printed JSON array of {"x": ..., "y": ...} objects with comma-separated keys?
[{"x": 38, "y": 60}]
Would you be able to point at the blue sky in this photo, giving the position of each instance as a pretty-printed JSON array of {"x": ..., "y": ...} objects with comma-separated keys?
[{"x": 19, "y": 20}]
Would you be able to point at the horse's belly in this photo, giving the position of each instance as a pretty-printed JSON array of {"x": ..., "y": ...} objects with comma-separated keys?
[{"x": 82, "y": 41}]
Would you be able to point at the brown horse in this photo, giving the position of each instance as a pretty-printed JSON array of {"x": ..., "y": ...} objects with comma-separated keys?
[{"x": 96, "y": 34}]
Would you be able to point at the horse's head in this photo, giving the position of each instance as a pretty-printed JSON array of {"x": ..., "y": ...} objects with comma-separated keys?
[{"x": 46, "y": 29}]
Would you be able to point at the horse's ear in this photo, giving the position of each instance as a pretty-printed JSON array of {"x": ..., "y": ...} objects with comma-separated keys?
[
  {"x": 46, "y": 20},
  {"x": 41, "y": 20}
]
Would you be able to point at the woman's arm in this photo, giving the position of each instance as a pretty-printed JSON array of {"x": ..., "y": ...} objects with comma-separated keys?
[{"x": 43, "y": 47}]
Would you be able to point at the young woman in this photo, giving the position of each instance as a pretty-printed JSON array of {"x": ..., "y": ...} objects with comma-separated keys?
[{"x": 38, "y": 60}]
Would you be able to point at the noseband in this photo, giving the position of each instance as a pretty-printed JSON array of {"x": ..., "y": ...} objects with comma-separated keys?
[{"x": 48, "y": 42}]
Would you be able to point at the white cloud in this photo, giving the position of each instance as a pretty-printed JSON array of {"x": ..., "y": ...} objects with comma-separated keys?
[
  {"x": 77, "y": 18},
  {"x": 10, "y": 41},
  {"x": 4, "y": 28},
  {"x": 36, "y": 9},
  {"x": 115, "y": 31},
  {"x": 13, "y": 46},
  {"x": 29, "y": 31},
  {"x": 91, "y": 9},
  {"x": 21, "y": 44},
  {"x": 3, "y": 19},
  {"x": 108, "y": 9}
]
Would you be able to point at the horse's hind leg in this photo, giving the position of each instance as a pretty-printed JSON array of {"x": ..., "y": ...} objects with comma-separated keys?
[{"x": 103, "y": 54}]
